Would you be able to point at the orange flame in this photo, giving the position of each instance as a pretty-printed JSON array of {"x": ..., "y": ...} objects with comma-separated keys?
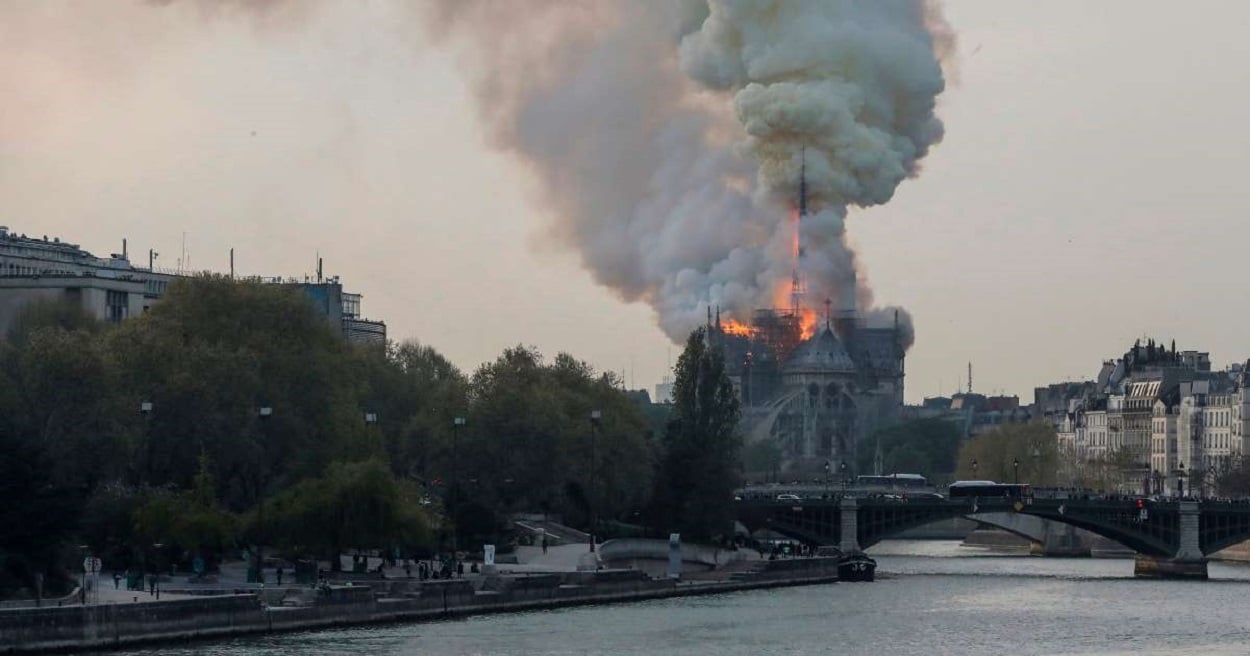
[
  {"x": 732, "y": 327},
  {"x": 782, "y": 297},
  {"x": 807, "y": 322},
  {"x": 794, "y": 240}
]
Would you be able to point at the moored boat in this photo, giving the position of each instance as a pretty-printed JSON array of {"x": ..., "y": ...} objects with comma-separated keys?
[{"x": 856, "y": 567}]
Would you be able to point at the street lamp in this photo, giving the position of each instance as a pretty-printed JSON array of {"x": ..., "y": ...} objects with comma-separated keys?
[
  {"x": 842, "y": 473},
  {"x": 828, "y": 472},
  {"x": 155, "y": 581},
  {"x": 595, "y": 417},
  {"x": 1015, "y": 467},
  {"x": 145, "y": 409},
  {"x": 456, "y": 423},
  {"x": 264, "y": 413}
]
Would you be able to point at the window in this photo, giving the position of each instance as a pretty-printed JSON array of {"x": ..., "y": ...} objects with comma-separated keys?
[{"x": 116, "y": 305}]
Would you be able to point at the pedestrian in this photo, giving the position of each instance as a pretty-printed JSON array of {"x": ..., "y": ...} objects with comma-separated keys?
[
  {"x": 544, "y": 543},
  {"x": 151, "y": 584},
  {"x": 460, "y": 570},
  {"x": 117, "y": 580},
  {"x": 278, "y": 573}
]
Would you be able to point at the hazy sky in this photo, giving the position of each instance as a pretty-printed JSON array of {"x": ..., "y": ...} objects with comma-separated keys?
[{"x": 1089, "y": 189}]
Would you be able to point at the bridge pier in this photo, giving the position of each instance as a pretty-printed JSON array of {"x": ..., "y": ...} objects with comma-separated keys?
[
  {"x": 1062, "y": 540},
  {"x": 1151, "y": 567},
  {"x": 1188, "y": 562},
  {"x": 850, "y": 526}
]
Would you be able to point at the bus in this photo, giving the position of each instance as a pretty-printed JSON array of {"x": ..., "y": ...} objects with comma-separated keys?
[
  {"x": 989, "y": 489},
  {"x": 894, "y": 481}
]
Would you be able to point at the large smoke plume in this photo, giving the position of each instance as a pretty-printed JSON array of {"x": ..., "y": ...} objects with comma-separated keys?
[{"x": 667, "y": 137}]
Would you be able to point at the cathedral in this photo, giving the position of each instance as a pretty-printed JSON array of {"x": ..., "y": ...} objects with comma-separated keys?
[{"x": 816, "y": 397}]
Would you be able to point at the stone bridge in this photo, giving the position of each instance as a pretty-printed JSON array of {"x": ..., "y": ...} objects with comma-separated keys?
[{"x": 1172, "y": 538}]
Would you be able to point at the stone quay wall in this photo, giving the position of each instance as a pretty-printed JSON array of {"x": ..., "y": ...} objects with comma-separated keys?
[{"x": 78, "y": 628}]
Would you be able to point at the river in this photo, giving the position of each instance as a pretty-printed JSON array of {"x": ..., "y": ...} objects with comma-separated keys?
[{"x": 931, "y": 598}]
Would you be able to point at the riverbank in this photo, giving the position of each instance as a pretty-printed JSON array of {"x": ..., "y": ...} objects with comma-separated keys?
[{"x": 80, "y": 628}]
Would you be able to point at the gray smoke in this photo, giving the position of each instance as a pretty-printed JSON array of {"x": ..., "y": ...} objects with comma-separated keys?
[{"x": 667, "y": 137}]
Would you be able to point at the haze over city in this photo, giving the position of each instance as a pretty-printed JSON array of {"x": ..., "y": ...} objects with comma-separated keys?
[{"x": 1086, "y": 191}]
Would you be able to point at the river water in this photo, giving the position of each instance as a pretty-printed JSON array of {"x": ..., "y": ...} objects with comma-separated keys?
[{"x": 931, "y": 598}]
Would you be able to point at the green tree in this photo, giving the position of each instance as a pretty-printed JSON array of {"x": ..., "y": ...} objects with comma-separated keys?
[
  {"x": 701, "y": 445},
  {"x": 354, "y": 505},
  {"x": 208, "y": 357},
  {"x": 531, "y": 444},
  {"x": 66, "y": 393},
  {"x": 1034, "y": 446},
  {"x": 58, "y": 434},
  {"x": 929, "y": 447},
  {"x": 414, "y": 392},
  {"x": 189, "y": 523},
  {"x": 38, "y": 515}
]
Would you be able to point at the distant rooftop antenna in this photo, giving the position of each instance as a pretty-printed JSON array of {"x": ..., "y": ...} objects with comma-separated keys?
[{"x": 969, "y": 377}]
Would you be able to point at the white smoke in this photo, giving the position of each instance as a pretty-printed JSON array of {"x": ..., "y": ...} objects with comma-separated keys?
[
  {"x": 622, "y": 110},
  {"x": 665, "y": 137}
]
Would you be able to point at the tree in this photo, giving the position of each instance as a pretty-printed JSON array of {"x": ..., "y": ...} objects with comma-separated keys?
[
  {"x": 531, "y": 443},
  {"x": 701, "y": 445},
  {"x": 188, "y": 523},
  {"x": 1034, "y": 446},
  {"x": 212, "y": 353},
  {"x": 414, "y": 393},
  {"x": 929, "y": 447},
  {"x": 357, "y": 505},
  {"x": 37, "y": 515}
]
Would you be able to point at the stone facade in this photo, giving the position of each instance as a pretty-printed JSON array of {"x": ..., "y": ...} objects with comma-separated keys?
[
  {"x": 818, "y": 398},
  {"x": 113, "y": 289},
  {"x": 1161, "y": 416}
]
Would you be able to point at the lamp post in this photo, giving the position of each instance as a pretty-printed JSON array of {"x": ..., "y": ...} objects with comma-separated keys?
[
  {"x": 145, "y": 409},
  {"x": 155, "y": 585},
  {"x": 828, "y": 472},
  {"x": 1015, "y": 468},
  {"x": 595, "y": 417},
  {"x": 842, "y": 473},
  {"x": 264, "y": 413},
  {"x": 371, "y": 422},
  {"x": 456, "y": 423}
]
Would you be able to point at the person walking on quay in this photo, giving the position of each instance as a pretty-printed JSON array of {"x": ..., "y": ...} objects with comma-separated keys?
[
  {"x": 117, "y": 580},
  {"x": 544, "y": 543},
  {"x": 278, "y": 574}
]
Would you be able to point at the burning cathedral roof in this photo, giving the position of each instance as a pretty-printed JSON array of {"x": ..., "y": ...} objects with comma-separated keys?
[{"x": 823, "y": 353}]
